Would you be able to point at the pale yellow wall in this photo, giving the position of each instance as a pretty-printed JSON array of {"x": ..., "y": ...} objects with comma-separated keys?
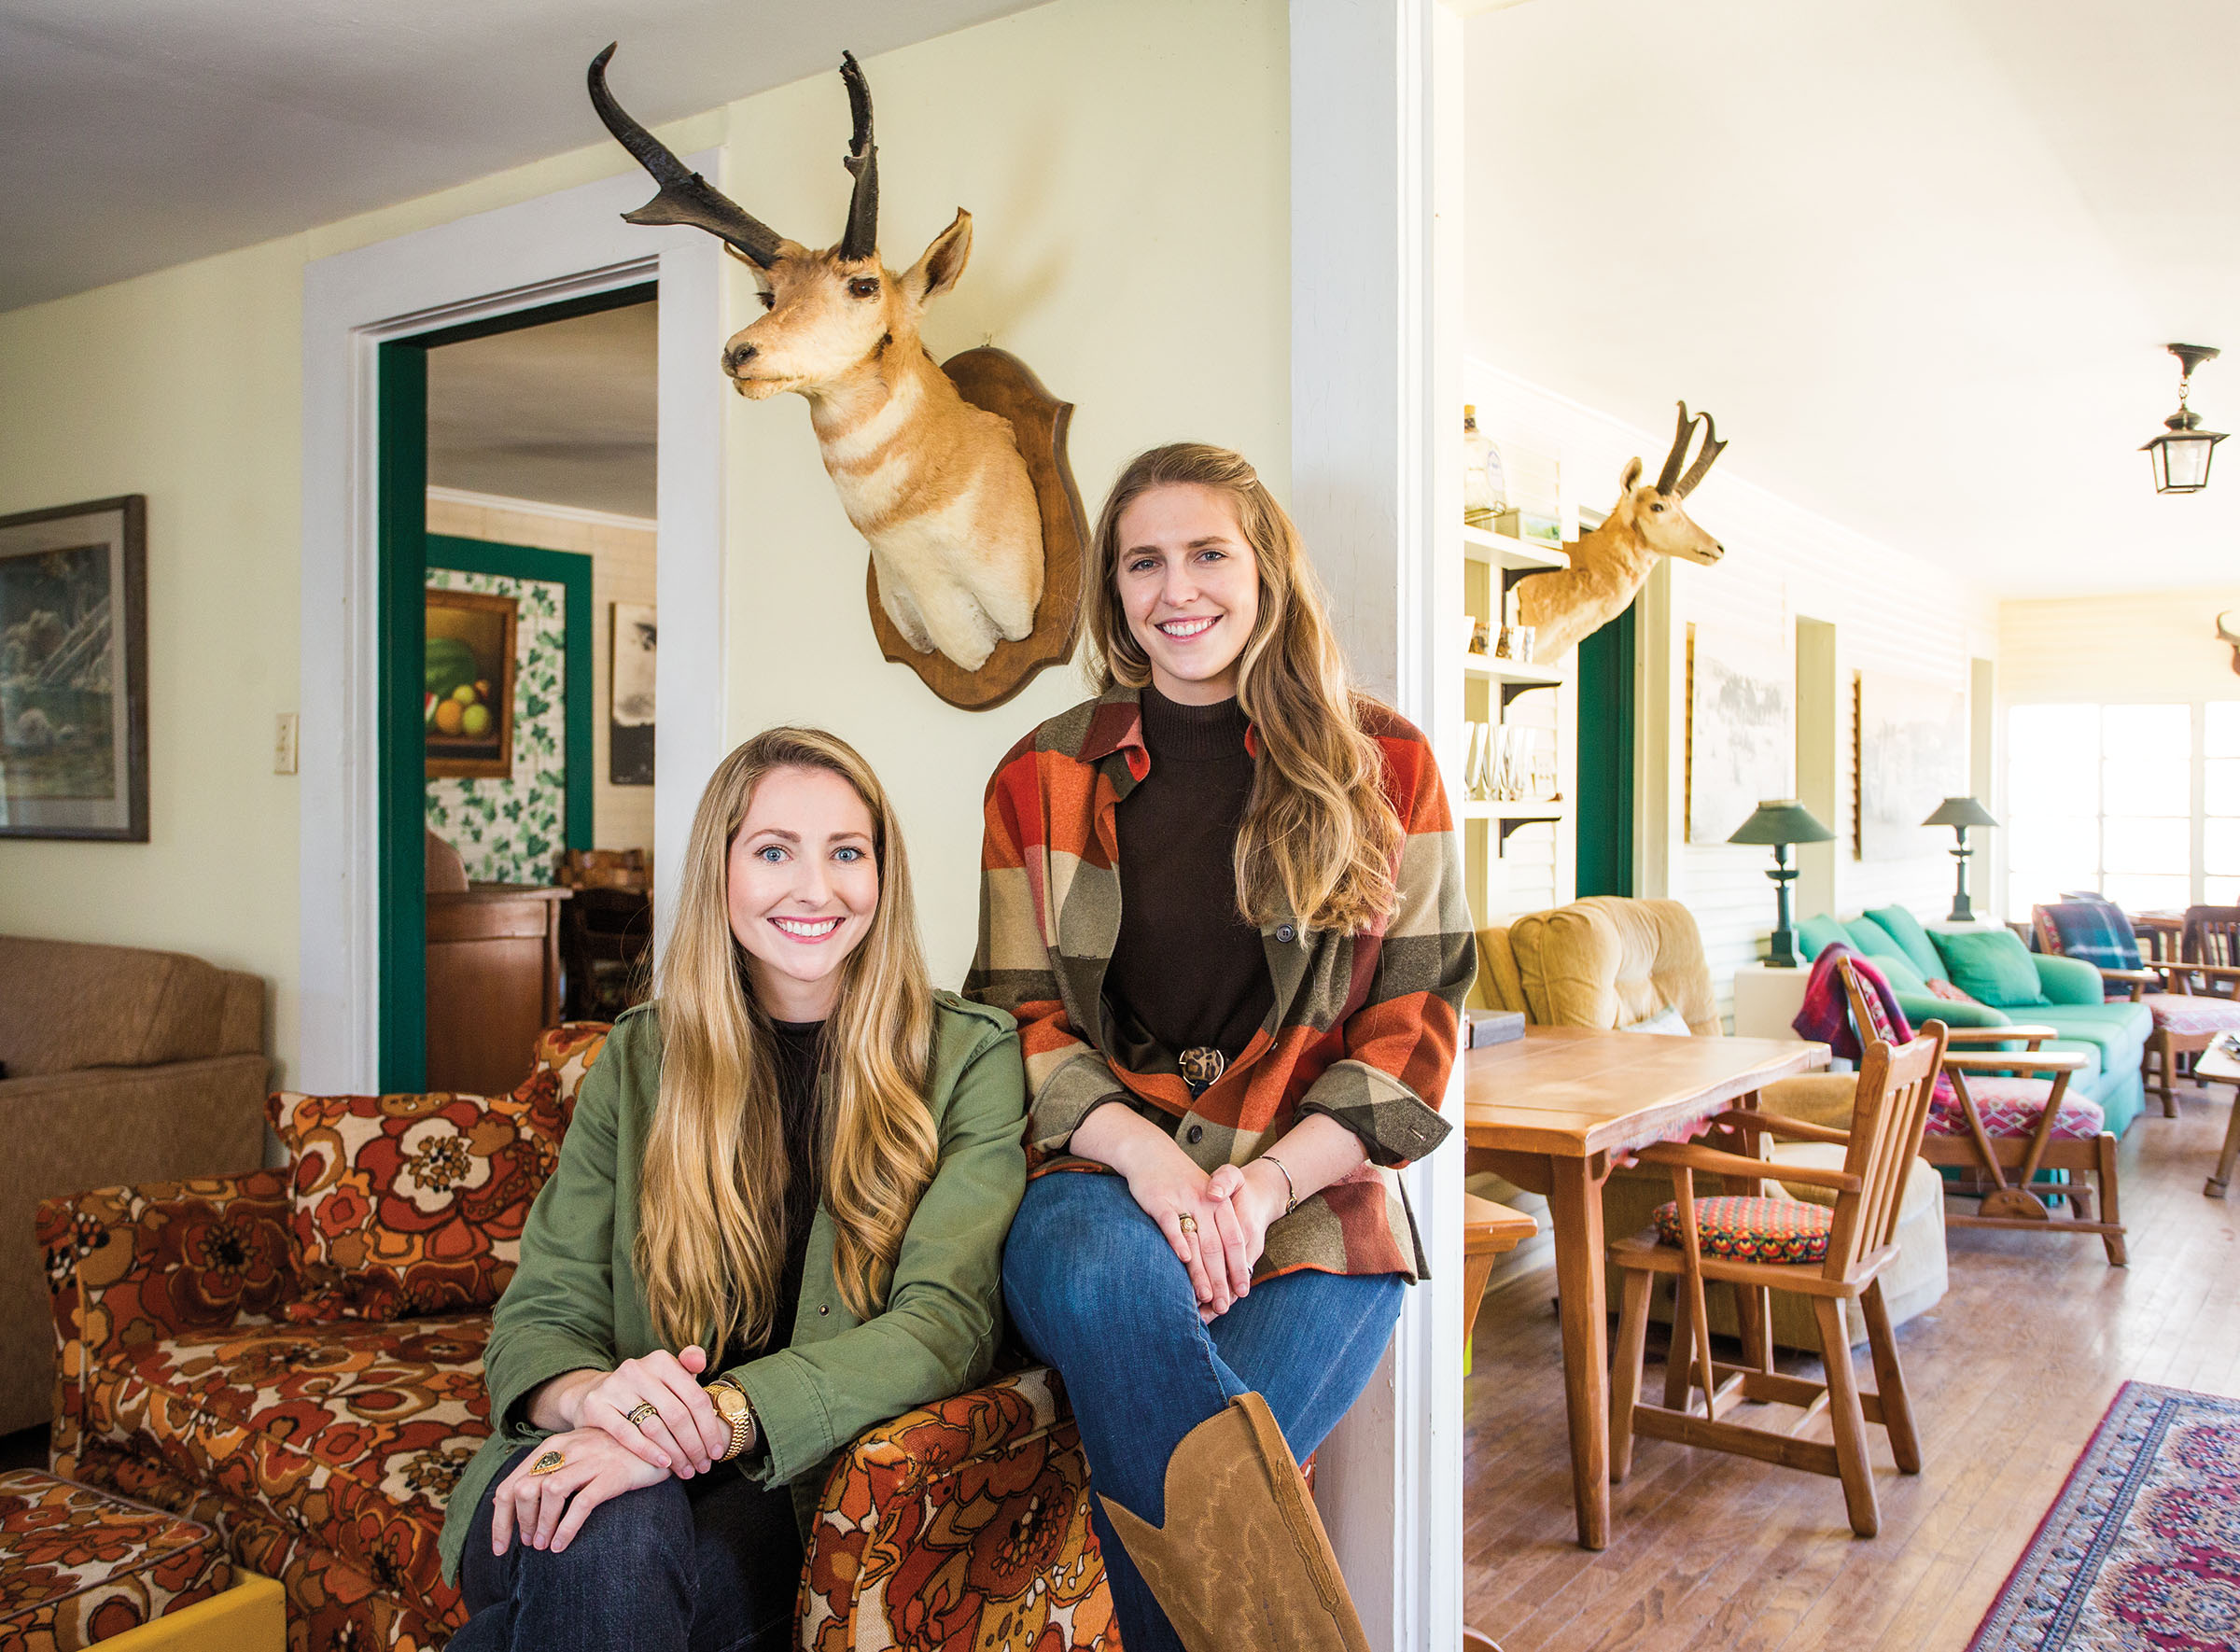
[
  {"x": 1126, "y": 169},
  {"x": 183, "y": 386},
  {"x": 1125, "y": 162},
  {"x": 2158, "y": 645}
]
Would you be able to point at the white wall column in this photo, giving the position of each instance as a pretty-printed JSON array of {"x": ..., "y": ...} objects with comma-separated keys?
[{"x": 1375, "y": 258}]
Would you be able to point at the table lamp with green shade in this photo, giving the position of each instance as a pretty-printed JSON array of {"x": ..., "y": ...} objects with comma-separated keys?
[
  {"x": 1781, "y": 823},
  {"x": 1960, "y": 813}
]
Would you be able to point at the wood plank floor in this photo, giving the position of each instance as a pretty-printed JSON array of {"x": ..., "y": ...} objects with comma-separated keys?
[{"x": 2009, "y": 1374}]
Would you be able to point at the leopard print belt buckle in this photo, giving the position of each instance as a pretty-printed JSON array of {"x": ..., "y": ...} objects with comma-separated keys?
[{"x": 1200, "y": 1068}]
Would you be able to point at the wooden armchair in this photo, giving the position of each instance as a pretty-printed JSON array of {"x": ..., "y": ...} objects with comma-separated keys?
[
  {"x": 1761, "y": 1245},
  {"x": 1989, "y": 1118},
  {"x": 2187, "y": 984}
]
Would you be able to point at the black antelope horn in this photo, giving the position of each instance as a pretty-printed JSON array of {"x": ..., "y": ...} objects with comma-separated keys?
[
  {"x": 686, "y": 197},
  {"x": 1705, "y": 458},
  {"x": 1670, "y": 473},
  {"x": 862, "y": 162}
]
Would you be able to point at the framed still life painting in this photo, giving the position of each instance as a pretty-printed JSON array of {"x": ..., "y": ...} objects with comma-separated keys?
[
  {"x": 467, "y": 703},
  {"x": 73, "y": 671}
]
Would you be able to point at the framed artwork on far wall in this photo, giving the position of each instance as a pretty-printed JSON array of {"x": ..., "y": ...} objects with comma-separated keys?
[
  {"x": 1912, "y": 754},
  {"x": 630, "y": 693},
  {"x": 468, "y": 701},
  {"x": 1741, "y": 738},
  {"x": 73, "y": 671}
]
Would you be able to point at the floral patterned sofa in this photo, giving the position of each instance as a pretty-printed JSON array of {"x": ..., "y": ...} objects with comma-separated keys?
[{"x": 324, "y": 1451}]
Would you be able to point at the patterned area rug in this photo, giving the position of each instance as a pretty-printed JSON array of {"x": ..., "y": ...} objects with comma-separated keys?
[{"x": 2141, "y": 1551}]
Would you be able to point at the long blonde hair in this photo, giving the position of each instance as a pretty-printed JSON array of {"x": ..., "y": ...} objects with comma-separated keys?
[
  {"x": 712, "y": 1190},
  {"x": 1319, "y": 838}
]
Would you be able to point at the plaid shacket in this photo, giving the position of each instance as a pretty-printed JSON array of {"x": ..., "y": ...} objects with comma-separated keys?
[{"x": 1364, "y": 1025}]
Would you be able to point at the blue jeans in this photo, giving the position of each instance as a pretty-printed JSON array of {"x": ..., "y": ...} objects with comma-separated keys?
[
  {"x": 709, "y": 1564},
  {"x": 1096, "y": 1291}
]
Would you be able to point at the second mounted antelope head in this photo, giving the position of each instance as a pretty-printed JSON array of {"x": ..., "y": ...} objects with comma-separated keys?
[
  {"x": 1612, "y": 563},
  {"x": 957, "y": 476}
]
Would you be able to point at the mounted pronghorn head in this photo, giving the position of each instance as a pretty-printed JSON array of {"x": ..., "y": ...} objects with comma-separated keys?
[
  {"x": 1653, "y": 512},
  {"x": 831, "y": 313},
  {"x": 2226, "y": 633}
]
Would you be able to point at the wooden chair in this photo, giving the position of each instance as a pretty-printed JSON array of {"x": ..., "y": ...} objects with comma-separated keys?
[
  {"x": 1998, "y": 1120},
  {"x": 2185, "y": 978},
  {"x": 1759, "y": 1246},
  {"x": 1490, "y": 1232}
]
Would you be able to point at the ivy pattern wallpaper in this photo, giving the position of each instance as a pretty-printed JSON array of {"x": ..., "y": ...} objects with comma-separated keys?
[{"x": 513, "y": 831}]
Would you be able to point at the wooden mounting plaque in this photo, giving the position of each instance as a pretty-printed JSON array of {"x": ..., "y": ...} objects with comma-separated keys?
[{"x": 1003, "y": 385}]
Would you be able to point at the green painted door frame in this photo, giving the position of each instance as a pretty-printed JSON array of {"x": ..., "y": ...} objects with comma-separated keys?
[
  {"x": 400, "y": 396},
  {"x": 1605, "y": 789},
  {"x": 401, "y": 582}
]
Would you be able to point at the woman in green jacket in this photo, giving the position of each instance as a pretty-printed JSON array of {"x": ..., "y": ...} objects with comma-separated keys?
[{"x": 777, "y": 1219}]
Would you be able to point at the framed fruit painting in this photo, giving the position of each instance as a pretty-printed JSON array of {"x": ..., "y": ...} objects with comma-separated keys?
[{"x": 467, "y": 707}]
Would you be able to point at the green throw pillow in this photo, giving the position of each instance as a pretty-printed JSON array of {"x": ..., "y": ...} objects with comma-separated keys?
[
  {"x": 1902, "y": 975},
  {"x": 1815, "y": 934},
  {"x": 1906, "y": 930},
  {"x": 1993, "y": 966}
]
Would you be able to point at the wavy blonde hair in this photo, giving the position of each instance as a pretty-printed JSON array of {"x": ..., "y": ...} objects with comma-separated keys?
[
  {"x": 712, "y": 1190},
  {"x": 1319, "y": 839}
]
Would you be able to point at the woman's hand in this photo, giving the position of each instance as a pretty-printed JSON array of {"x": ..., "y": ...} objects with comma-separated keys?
[
  {"x": 1163, "y": 1179},
  {"x": 547, "y": 1510},
  {"x": 684, "y": 1436},
  {"x": 1254, "y": 1194}
]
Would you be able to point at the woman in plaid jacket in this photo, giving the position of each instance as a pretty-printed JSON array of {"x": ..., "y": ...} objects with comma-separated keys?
[{"x": 1223, "y": 896}]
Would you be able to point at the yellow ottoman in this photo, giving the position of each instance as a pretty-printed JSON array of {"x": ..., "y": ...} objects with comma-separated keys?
[{"x": 80, "y": 1567}]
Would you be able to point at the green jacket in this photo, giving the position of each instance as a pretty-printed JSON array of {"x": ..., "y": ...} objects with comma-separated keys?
[{"x": 575, "y": 1303}]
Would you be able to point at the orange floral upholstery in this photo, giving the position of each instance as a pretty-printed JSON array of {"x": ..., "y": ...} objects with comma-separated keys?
[
  {"x": 323, "y": 1453},
  {"x": 79, "y": 1566},
  {"x": 409, "y": 1204},
  {"x": 962, "y": 1525}
]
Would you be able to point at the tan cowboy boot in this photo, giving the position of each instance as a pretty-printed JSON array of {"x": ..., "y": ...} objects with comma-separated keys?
[{"x": 1243, "y": 1564}]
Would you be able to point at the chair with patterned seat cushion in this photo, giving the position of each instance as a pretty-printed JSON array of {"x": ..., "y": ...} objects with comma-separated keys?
[
  {"x": 1830, "y": 1256},
  {"x": 1991, "y": 1113},
  {"x": 2191, "y": 999}
]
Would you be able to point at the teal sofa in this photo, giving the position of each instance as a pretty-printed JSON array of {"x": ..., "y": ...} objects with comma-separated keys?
[{"x": 2115, "y": 1035}]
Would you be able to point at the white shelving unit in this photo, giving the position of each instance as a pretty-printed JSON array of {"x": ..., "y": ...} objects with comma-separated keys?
[
  {"x": 1501, "y": 877},
  {"x": 1480, "y": 545}
]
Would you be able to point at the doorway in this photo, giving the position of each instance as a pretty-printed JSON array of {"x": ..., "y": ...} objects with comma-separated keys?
[{"x": 516, "y": 522}]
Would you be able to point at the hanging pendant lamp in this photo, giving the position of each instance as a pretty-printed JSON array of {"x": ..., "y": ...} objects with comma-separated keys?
[{"x": 2180, "y": 454}]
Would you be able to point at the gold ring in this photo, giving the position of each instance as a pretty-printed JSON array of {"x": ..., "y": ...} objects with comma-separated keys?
[
  {"x": 552, "y": 1462},
  {"x": 636, "y": 1416},
  {"x": 1187, "y": 1223}
]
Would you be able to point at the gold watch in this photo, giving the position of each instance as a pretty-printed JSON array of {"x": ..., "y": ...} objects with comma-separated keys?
[{"x": 730, "y": 1405}]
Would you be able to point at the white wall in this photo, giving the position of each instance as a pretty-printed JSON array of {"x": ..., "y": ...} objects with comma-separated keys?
[
  {"x": 1127, "y": 170},
  {"x": 2150, "y": 645},
  {"x": 1893, "y": 612}
]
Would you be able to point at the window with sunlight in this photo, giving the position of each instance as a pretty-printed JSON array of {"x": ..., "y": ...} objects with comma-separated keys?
[{"x": 2140, "y": 803}]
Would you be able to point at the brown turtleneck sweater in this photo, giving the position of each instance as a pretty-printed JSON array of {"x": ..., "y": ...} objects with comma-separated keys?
[{"x": 1187, "y": 971}]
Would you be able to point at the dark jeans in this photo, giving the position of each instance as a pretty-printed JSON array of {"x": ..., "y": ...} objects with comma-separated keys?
[
  {"x": 709, "y": 1564},
  {"x": 1096, "y": 1291}
]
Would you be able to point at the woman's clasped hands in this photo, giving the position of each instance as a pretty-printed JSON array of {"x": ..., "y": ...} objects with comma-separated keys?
[
  {"x": 608, "y": 1443},
  {"x": 1227, "y": 1213}
]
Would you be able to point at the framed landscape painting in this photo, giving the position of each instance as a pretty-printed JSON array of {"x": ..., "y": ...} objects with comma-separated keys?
[{"x": 73, "y": 671}]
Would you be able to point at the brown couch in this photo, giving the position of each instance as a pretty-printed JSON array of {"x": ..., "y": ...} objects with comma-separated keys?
[{"x": 120, "y": 1066}]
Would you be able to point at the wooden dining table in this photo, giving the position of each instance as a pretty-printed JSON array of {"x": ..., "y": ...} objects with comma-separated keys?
[{"x": 1554, "y": 1112}]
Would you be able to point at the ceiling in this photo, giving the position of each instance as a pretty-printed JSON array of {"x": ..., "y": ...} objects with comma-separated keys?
[
  {"x": 133, "y": 137},
  {"x": 1921, "y": 258},
  {"x": 563, "y": 413}
]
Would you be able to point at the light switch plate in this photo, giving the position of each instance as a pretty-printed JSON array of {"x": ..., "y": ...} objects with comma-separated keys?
[{"x": 284, "y": 744}]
